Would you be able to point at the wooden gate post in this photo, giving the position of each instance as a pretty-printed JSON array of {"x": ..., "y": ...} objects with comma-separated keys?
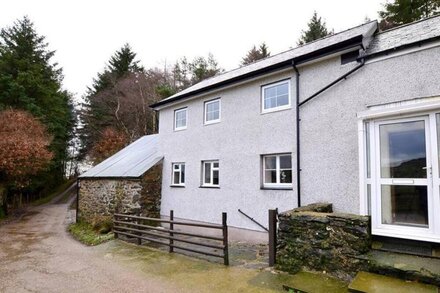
[
  {"x": 272, "y": 237},
  {"x": 225, "y": 239},
  {"x": 171, "y": 248},
  {"x": 139, "y": 240}
]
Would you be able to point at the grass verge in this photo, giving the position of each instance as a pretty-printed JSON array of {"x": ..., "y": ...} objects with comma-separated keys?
[{"x": 84, "y": 233}]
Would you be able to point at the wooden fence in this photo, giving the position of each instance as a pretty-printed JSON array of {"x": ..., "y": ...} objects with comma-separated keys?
[{"x": 140, "y": 228}]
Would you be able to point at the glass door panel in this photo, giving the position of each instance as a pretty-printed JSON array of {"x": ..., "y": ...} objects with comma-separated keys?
[
  {"x": 403, "y": 150},
  {"x": 405, "y": 205},
  {"x": 403, "y": 187}
]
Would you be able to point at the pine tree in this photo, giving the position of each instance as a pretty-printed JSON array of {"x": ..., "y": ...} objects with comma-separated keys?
[
  {"x": 401, "y": 12},
  {"x": 186, "y": 73},
  {"x": 316, "y": 29},
  {"x": 29, "y": 80},
  {"x": 123, "y": 61},
  {"x": 98, "y": 114},
  {"x": 255, "y": 54}
]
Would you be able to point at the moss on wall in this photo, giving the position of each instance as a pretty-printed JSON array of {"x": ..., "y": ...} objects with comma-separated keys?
[
  {"x": 331, "y": 242},
  {"x": 99, "y": 198}
]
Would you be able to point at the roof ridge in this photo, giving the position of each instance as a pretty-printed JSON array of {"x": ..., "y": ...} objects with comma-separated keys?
[
  {"x": 291, "y": 49},
  {"x": 408, "y": 24}
]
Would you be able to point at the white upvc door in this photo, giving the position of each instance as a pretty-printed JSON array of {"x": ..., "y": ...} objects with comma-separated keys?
[{"x": 405, "y": 178}]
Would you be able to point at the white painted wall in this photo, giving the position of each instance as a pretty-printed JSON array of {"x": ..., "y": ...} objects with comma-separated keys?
[
  {"x": 329, "y": 134},
  {"x": 238, "y": 141},
  {"x": 329, "y": 138}
]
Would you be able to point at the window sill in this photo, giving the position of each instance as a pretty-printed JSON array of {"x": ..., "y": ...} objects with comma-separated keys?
[
  {"x": 211, "y": 122},
  {"x": 276, "y": 188},
  {"x": 276, "y": 110},
  {"x": 178, "y": 186},
  {"x": 206, "y": 186},
  {"x": 179, "y": 129}
]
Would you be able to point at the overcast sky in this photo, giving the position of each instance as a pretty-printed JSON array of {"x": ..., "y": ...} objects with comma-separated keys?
[{"x": 86, "y": 33}]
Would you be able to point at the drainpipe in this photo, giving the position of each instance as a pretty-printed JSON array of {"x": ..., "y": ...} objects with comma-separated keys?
[
  {"x": 298, "y": 120},
  {"x": 298, "y": 151}
]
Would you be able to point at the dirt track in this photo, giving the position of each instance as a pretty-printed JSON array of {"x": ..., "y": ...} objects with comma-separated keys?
[{"x": 38, "y": 255}]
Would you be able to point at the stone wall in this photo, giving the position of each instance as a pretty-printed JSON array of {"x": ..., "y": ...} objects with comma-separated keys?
[
  {"x": 99, "y": 198},
  {"x": 314, "y": 238}
]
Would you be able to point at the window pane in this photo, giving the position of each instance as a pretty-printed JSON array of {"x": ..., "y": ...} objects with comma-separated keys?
[
  {"x": 213, "y": 111},
  {"x": 286, "y": 162},
  {"x": 215, "y": 177},
  {"x": 176, "y": 167},
  {"x": 182, "y": 173},
  {"x": 176, "y": 178},
  {"x": 405, "y": 205},
  {"x": 270, "y": 92},
  {"x": 269, "y": 103},
  {"x": 181, "y": 118},
  {"x": 282, "y": 89},
  {"x": 282, "y": 100},
  {"x": 403, "y": 150},
  {"x": 213, "y": 106},
  {"x": 286, "y": 176},
  {"x": 208, "y": 173},
  {"x": 270, "y": 176},
  {"x": 270, "y": 163},
  {"x": 216, "y": 164}
]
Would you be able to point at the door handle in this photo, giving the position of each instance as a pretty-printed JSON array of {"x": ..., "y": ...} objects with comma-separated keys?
[{"x": 428, "y": 168}]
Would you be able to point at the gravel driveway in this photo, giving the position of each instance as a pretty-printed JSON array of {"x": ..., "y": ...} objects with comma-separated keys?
[{"x": 37, "y": 255}]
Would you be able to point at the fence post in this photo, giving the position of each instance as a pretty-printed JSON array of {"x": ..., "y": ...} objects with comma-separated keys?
[
  {"x": 272, "y": 237},
  {"x": 139, "y": 234},
  {"x": 114, "y": 232},
  {"x": 171, "y": 229},
  {"x": 225, "y": 239}
]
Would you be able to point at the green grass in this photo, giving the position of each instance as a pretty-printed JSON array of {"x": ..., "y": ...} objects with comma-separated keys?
[
  {"x": 62, "y": 187},
  {"x": 84, "y": 233}
]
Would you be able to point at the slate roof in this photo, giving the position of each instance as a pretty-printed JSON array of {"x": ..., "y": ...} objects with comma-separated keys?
[
  {"x": 364, "y": 30},
  {"x": 404, "y": 35},
  {"x": 132, "y": 161}
]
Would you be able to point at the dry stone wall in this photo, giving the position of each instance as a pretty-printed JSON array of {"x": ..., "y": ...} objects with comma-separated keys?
[
  {"x": 103, "y": 197},
  {"x": 99, "y": 198},
  {"x": 323, "y": 241}
]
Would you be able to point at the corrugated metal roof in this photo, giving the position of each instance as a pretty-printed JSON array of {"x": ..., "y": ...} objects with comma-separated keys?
[
  {"x": 132, "y": 161},
  {"x": 404, "y": 35},
  {"x": 364, "y": 30}
]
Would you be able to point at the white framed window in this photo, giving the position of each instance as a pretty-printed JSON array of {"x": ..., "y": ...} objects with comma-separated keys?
[
  {"x": 212, "y": 111},
  {"x": 277, "y": 171},
  {"x": 210, "y": 173},
  {"x": 180, "y": 119},
  {"x": 275, "y": 96},
  {"x": 178, "y": 174}
]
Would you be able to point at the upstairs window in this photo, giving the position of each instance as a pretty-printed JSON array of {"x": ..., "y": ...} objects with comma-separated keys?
[
  {"x": 178, "y": 174},
  {"x": 211, "y": 170},
  {"x": 180, "y": 119},
  {"x": 275, "y": 96},
  {"x": 277, "y": 171},
  {"x": 212, "y": 111}
]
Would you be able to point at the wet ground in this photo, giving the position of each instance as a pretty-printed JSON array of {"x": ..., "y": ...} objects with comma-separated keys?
[{"x": 38, "y": 255}]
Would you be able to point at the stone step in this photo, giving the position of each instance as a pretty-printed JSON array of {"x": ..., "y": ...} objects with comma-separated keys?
[
  {"x": 406, "y": 267},
  {"x": 372, "y": 283}
]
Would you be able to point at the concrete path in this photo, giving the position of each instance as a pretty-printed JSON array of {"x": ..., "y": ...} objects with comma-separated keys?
[{"x": 38, "y": 255}]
